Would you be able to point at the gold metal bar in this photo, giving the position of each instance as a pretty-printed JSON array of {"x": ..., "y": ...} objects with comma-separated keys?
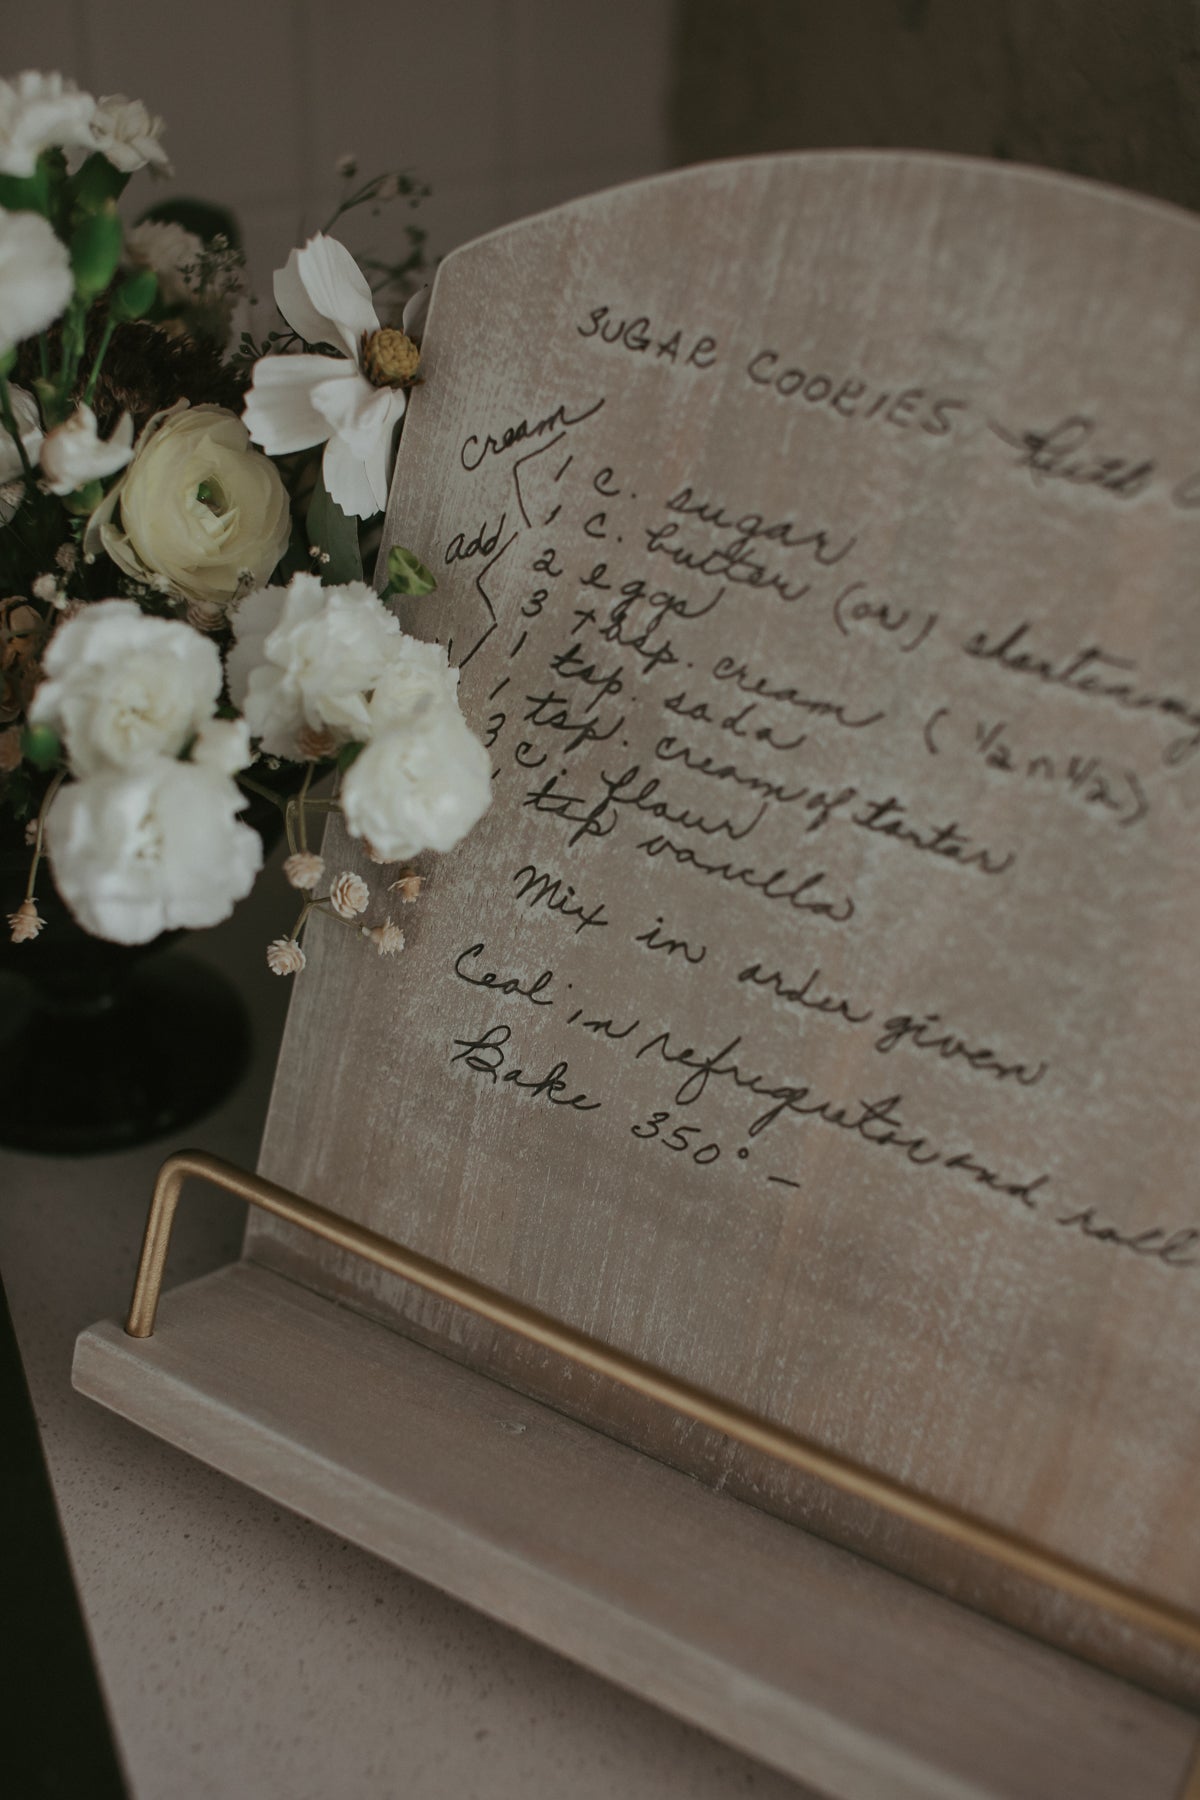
[{"x": 956, "y": 1526}]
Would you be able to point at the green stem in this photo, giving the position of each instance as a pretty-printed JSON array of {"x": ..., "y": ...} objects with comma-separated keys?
[
  {"x": 109, "y": 327},
  {"x": 43, "y": 809},
  {"x": 300, "y": 799},
  {"x": 264, "y": 793},
  {"x": 302, "y": 921},
  {"x": 72, "y": 347}
]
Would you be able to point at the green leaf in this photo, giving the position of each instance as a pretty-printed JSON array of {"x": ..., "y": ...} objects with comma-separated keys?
[
  {"x": 136, "y": 295},
  {"x": 348, "y": 754},
  {"x": 335, "y": 534},
  {"x": 406, "y": 574}
]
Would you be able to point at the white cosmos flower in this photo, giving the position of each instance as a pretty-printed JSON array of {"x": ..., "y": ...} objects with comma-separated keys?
[
  {"x": 35, "y": 276},
  {"x": 351, "y": 403},
  {"x": 74, "y": 453},
  {"x": 37, "y": 112},
  {"x": 128, "y": 135},
  {"x": 122, "y": 688},
  {"x": 140, "y": 851}
]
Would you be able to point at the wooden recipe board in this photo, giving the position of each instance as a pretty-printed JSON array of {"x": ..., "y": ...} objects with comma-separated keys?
[{"x": 815, "y": 1011}]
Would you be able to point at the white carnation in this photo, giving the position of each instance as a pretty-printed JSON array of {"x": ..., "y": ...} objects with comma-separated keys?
[
  {"x": 174, "y": 254},
  {"x": 153, "y": 849},
  {"x": 224, "y": 745},
  {"x": 38, "y": 112},
  {"x": 128, "y": 135},
  {"x": 123, "y": 688},
  {"x": 74, "y": 453},
  {"x": 306, "y": 657},
  {"x": 419, "y": 785},
  {"x": 416, "y": 673},
  {"x": 35, "y": 276}
]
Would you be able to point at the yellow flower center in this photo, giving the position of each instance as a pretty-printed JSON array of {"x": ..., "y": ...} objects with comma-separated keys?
[{"x": 389, "y": 357}]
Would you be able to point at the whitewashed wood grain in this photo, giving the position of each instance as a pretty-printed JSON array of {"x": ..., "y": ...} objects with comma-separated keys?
[{"x": 953, "y": 1334}]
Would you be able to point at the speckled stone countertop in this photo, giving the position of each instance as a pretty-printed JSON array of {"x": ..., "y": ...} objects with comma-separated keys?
[{"x": 245, "y": 1654}]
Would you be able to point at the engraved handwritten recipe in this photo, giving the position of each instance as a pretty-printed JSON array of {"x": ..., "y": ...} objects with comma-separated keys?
[{"x": 815, "y": 1010}]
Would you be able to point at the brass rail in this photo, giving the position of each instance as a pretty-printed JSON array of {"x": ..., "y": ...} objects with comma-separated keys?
[{"x": 950, "y": 1523}]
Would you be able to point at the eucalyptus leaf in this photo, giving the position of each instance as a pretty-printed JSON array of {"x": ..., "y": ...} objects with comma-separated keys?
[
  {"x": 406, "y": 574},
  {"x": 337, "y": 535}
]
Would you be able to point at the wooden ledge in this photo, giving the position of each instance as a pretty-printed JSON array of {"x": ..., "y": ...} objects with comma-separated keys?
[{"x": 835, "y": 1671}]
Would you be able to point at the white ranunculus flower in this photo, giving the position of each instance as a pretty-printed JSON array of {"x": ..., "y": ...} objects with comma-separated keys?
[
  {"x": 415, "y": 672},
  {"x": 74, "y": 453},
  {"x": 198, "y": 508},
  {"x": 128, "y": 135},
  {"x": 350, "y": 403},
  {"x": 419, "y": 785},
  {"x": 122, "y": 688},
  {"x": 136, "y": 852},
  {"x": 308, "y": 656},
  {"x": 29, "y": 425},
  {"x": 38, "y": 112},
  {"x": 35, "y": 276}
]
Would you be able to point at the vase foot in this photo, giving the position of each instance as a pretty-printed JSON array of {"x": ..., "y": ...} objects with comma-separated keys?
[{"x": 108, "y": 1068}]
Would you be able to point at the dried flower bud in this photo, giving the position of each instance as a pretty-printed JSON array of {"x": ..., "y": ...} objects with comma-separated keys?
[
  {"x": 314, "y": 745},
  {"x": 206, "y": 615},
  {"x": 66, "y": 556},
  {"x": 349, "y": 895},
  {"x": 388, "y": 939},
  {"x": 30, "y": 832},
  {"x": 408, "y": 887},
  {"x": 26, "y": 922},
  {"x": 304, "y": 870},
  {"x": 285, "y": 957}
]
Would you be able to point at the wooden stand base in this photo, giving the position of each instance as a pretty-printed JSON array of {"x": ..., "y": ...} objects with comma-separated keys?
[{"x": 835, "y": 1671}]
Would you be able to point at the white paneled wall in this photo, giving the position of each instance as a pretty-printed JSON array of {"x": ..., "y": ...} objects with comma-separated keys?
[{"x": 504, "y": 107}]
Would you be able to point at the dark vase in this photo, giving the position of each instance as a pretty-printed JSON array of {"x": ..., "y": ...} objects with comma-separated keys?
[{"x": 105, "y": 1046}]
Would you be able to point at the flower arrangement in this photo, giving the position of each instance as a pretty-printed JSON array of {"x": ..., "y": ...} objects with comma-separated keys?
[{"x": 183, "y": 516}]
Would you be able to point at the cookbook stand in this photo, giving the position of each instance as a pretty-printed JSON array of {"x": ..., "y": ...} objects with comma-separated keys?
[
  {"x": 783, "y": 1100},
  {"x": 878, "y": 1687}
]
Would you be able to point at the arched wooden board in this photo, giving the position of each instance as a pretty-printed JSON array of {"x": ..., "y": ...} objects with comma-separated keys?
[{"x": 815, "y": 1012}]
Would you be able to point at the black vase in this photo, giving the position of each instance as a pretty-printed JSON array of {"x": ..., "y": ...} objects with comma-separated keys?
[{"x": 105, "y": 1046}]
